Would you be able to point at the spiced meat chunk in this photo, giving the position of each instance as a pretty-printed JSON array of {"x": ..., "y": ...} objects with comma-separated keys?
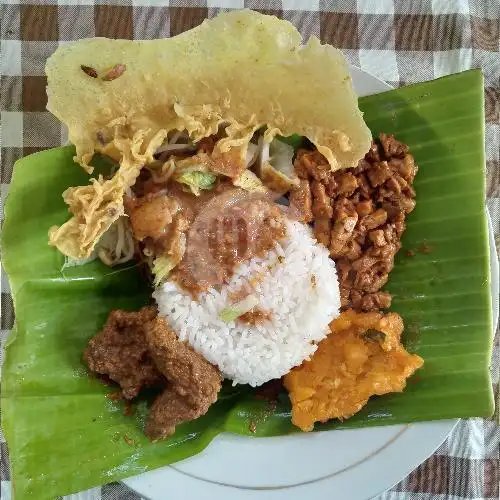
[
  {"x": 187, "y": 371},
  {"x": 139, "y": 350},
  {"x": 119, "y": 351},
  {"x": 194, "y": 383},
  {"x": 167, "y": 411}
]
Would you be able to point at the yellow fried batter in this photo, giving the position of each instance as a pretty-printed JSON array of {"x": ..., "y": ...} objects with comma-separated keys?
[{"x": 360, "y": 358}]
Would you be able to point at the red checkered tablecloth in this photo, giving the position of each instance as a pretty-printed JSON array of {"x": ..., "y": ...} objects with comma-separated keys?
[{"x": 399, "y": 41}]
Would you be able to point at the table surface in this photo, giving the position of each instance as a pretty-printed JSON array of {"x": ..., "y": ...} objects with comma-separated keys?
[{"x": 399, "y": 41}]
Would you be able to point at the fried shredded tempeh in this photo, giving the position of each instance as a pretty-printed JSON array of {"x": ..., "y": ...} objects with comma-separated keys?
[{"x": 360, "y": 358}]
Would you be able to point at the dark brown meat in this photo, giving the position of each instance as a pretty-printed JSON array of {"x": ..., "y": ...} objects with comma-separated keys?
[
  {"x": 255, "y": 316},
  {"x": 406, "y": 167},
  {"x": 194, "y": 383},
  {"x": 207, "y": 144},
  {"x": 365, "y": 189},
  {"x": 364, "y": 207},
  {"x": 301, "y": 202},
  {"x": 377, "y": 237},
  {"x": 368, "y": 204},
  {"x": 373, "y": 155},
  {"x": 331, "y": 185},
  {"x": 119, "y": 351},
  {"x": 189, "y": 372},
  {"x": 354, "y": 250},
  {"x": 169, "y": 410},
  {"x": 138, "y": 350}
]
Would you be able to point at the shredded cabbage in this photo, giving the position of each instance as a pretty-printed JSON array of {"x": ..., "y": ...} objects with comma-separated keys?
[
  {"x": 161, "y": 269},
  {"x": 197, "y": 180},
  {"x": 281, "y": 157},
  {"x": 294, "y": 140},
  {"x": 275, "y": 167}
]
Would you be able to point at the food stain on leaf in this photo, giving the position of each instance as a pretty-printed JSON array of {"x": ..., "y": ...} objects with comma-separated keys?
[
  {"x": 411, "y": 337},
  {"x": 80, "y": 372},
  {"x": 425, "y": 248},
  {"x": 130, "y": 467},
  {"x": 114, "y": 396},
  {"x": 415, "y": 379},
  {"x": 269, "y": 391},
  {"x": 263, "y": 414},
  {"x": 433, "y": 281},
  {"x": 129, "y": 441},
  {"x": 129, "y": 409}
]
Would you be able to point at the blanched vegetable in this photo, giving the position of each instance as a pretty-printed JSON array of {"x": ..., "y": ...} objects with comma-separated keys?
[
  {"x": 197, "y": 180},
  {"x": 161, "y": 268},
  {"x": 276, "y": 166},
  {"x": 116, "y": 246},
  {"x": 252, "y": 154},
  {"x": 233, "y": 312},
  {"x": 294, "y": 140}
]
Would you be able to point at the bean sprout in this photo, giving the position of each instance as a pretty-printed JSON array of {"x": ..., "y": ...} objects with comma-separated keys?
[
  {"x": 117, "y": 244},
  {"x": 167, "y": 170}
]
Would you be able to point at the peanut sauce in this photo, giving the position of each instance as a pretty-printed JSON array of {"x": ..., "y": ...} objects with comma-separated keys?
[
  {"x": 229, "y": 228},
  {"x": 255, "y": 317}
]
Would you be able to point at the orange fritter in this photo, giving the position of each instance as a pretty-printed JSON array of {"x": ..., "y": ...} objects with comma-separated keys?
[{"x": 360, "y": 358}]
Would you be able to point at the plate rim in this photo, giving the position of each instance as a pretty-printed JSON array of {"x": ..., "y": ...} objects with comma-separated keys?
[{"x": 436, "y": 432}]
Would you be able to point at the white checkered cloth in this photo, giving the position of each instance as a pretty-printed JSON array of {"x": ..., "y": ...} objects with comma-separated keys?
[{"x": 399, "y": 41}]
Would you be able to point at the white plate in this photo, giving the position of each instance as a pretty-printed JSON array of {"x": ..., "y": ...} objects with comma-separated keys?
[{"x": 344, "y": 464}]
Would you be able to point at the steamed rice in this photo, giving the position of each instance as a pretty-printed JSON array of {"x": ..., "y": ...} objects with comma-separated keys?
[{"x": 296, "y": 282}]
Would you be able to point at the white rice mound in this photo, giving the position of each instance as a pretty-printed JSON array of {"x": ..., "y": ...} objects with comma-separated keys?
[{"x": 301, "y": 308}]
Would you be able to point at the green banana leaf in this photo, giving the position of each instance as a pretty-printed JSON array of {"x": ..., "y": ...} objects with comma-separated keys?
[{"x": 64, "y": 435}]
